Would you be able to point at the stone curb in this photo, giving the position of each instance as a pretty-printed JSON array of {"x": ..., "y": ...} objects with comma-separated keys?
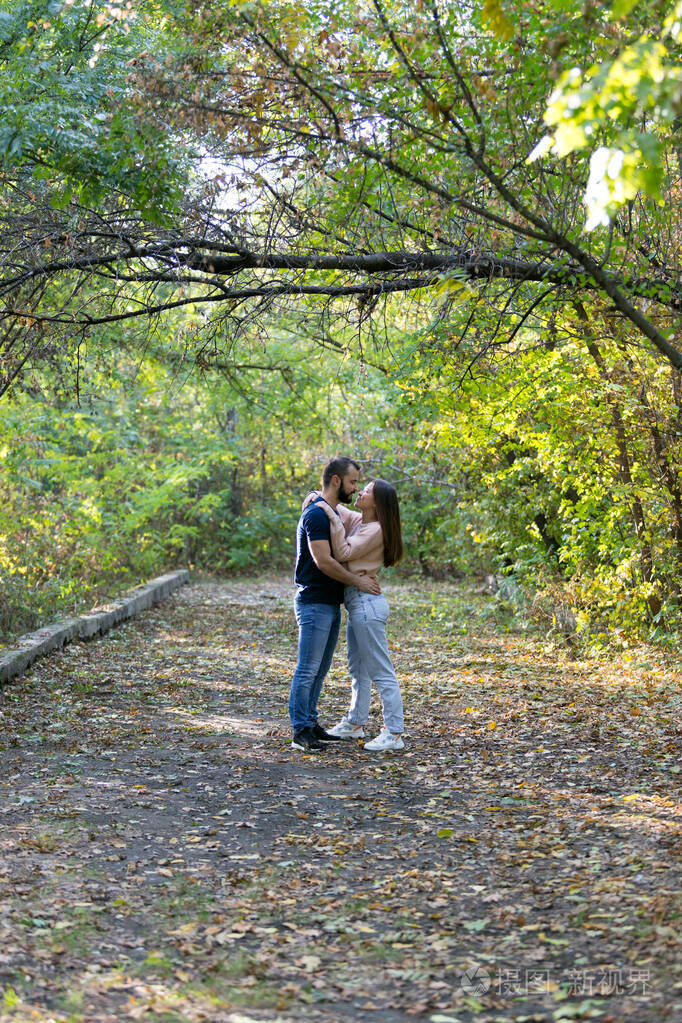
[{"x": 36, "y": 644}]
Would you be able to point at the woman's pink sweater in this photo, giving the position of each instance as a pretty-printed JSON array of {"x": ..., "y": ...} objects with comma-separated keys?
[{"x": 359, "y": 545}]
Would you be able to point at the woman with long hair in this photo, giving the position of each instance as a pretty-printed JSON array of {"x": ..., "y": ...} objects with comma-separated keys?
[{"x": 364, "y": 540}]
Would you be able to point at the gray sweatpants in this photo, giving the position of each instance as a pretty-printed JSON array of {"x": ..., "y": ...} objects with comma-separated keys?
[{"x": 369, "y": 660}]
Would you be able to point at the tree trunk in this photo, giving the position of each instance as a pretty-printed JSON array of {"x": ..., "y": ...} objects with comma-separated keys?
[{"x": 646, "y": 561}]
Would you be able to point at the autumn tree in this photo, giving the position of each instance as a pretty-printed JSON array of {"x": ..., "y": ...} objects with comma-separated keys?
[
  {"x": 405, "y": 183},
  {"x": 357, "y": 153}
]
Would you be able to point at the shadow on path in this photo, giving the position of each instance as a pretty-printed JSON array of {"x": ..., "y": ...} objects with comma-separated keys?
[{"x": 166, "y": 855}]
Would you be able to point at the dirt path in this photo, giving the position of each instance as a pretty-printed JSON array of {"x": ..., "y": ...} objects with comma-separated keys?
[{"x": 165, "y": 855}]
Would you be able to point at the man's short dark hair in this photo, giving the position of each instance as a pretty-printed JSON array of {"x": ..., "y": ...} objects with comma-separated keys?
[{"x": 340, "y": 467}]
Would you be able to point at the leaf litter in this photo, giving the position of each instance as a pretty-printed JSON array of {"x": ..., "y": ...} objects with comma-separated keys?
[{"x": 166, "y": 855}]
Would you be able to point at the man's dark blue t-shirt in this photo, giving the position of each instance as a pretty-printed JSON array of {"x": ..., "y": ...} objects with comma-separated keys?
[{"x": 314, "y": 587}]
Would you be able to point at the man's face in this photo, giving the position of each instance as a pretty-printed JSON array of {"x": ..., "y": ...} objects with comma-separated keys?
[{"x": 348, "y": 486}]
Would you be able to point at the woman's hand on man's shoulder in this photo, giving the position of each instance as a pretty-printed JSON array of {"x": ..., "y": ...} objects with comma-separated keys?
[{"x": 309, "y": 498}]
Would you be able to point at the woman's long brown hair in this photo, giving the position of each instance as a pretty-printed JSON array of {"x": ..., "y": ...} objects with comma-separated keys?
[{"x": 388, "y": 514}]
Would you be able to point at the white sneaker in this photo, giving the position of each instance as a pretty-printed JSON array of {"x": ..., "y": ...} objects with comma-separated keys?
[
  {"x": 385, "y": 742},
  {"x": 347, "y": 730}
]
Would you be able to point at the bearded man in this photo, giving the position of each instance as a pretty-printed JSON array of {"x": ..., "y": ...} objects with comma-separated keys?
[{"x": 320, "y": 581}]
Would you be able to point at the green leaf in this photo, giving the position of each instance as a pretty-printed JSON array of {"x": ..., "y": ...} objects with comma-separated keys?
[
  {"x": 495, "y": 15},
  {"x": 620, "y": 8},
  {"x": 475, "y": 926}
]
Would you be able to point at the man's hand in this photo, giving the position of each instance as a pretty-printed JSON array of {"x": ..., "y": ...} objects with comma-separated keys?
[
  {"x": 367, "y": 584},
  {"x": 322, "y": 556}
]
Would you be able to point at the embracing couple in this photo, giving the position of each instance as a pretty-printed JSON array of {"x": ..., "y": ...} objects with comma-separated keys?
[{"x": 338, "y": 555}]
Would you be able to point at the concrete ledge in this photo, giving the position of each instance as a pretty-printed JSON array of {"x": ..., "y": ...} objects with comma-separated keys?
[{"x": 29, "y": 648}]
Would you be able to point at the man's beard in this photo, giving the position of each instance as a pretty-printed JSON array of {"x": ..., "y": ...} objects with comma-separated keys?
[{"x": 344, "y": 496}]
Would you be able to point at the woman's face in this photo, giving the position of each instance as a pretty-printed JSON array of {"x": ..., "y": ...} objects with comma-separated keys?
[{"x": 365, "y": 499}]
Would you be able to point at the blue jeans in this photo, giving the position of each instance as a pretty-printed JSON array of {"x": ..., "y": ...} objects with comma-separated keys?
[
  {"x": 318, "y": 631},
  {"x": 369, "y": 660}
]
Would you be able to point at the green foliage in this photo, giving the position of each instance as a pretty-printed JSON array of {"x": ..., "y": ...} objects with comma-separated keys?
[
  {"x": 565, "y": 466},
  {"x": 620, "y": 109},
  {"x": 149, "y": 470},
  {"x": 518, "y": 468},
  {"x": 525, "y": 438},
  {"x": 70, "y": 114}
]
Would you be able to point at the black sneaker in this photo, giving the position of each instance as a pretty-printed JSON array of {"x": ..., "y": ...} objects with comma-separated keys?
[
  {"x": 320, "y": 733},
  {"x": 306, "y": 740}
]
